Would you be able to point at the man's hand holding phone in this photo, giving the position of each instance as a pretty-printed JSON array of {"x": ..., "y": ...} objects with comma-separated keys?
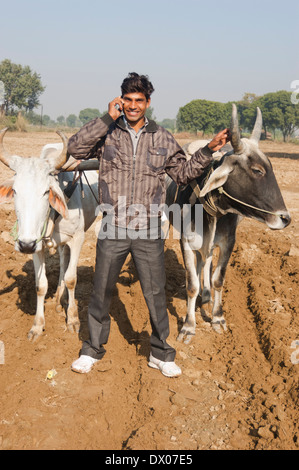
[{"x": 115, "y": 107}]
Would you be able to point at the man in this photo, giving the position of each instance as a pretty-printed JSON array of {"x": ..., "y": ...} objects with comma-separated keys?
[{"x": 135, "y": 154}]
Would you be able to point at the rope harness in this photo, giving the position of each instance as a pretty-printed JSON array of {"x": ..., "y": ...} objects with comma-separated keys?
[{"x": 207, "y": 201}]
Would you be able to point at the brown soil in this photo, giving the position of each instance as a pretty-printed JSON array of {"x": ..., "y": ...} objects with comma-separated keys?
[{"x": 239, "y": 390}]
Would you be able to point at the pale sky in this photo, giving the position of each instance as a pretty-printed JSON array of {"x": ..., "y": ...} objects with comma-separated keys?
[{"x": 190, "y": 49}]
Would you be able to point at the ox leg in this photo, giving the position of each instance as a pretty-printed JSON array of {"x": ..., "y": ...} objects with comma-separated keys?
[
  {"x": 193, "y": 288},
  {"x": 70, "y": 278},
  {"x": 41, "y": 290},
  {"x": 199, "y": 266},
  {"x": 64, "y": 260},
  {"x": 218, "y": 320},
  {"x": 206, "y": 291}
]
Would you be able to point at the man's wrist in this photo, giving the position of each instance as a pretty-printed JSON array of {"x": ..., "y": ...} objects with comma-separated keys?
[
  {"x": 107, "y": 119},
  {"x": 207, "y": 151}
]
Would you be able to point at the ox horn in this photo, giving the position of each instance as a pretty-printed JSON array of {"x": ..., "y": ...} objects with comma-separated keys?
[
  {"x": 237, "y": 144},
  {"x": 62, "y": 158},
  {"x": 257, "y": 130},
  {"x": 4, "y": 156}
]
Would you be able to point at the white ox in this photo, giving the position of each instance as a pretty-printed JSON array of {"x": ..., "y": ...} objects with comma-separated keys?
[
  {"x": 35, "y": 187},
  {"x": 195, "y": 145}
]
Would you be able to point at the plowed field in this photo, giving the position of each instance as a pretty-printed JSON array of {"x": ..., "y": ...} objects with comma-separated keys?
[{"x": 239, "y": 390}]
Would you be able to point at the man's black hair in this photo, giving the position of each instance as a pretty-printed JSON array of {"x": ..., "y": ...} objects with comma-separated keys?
[{"x": 135, "y": 83}]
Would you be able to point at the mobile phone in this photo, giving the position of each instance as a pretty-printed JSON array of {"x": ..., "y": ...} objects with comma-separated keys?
[{"x": 117, "y": 107}]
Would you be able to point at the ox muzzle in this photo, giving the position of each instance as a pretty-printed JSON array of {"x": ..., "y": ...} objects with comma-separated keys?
[
  {"x": 279, "y": 221},
  {"x": 26, "y": 247}
]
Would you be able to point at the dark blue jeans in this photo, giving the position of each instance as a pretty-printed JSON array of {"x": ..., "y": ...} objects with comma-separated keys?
[{"x": 148, "y": 257}]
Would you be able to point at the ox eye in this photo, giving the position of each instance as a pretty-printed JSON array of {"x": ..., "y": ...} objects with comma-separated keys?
[
  {"x": 258, "y": 171},
  {"x": 46, "y": 193}
]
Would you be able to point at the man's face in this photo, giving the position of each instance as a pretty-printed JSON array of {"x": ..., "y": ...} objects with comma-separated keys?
[{"x": 135, "y": 106}]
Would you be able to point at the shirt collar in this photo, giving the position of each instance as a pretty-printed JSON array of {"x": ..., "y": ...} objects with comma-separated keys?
[
  {"x": 150, "y": 126},
  {"x": 146, "y": 121}
]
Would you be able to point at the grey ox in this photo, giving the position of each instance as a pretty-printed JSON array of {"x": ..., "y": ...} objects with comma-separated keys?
[
  {"x": 239, "y": 184},
  {"x": 36, "y": 188}
]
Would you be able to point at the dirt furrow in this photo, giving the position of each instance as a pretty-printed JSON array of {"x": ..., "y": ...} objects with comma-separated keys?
[{"x": 239, "y": 390}]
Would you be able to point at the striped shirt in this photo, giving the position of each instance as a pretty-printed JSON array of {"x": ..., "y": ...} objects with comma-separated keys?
[{"x": 133, "y": 165}]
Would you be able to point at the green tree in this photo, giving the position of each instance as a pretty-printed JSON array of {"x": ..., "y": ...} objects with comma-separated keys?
[
  {"x": 150, "y": 113},
  {"x": 22, "y": 87},
  {"x": 206, "y": 116},
  {"x": 46, "y": 120},
  {"x": 88, "y": 114},
  {"x": 247, "y": 102},
  {"x": 168, "y": 124},
  {"x": 72, "y": 121},
  {"x": 33, "y": 118},
  {"x": 278, "y": 113},
  {"x": 61, "y": 120}
]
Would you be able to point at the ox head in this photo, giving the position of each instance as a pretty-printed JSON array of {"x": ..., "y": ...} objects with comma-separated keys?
[
  {"x": 33, "y": 187},
  {"x": 246, "y": 174}
]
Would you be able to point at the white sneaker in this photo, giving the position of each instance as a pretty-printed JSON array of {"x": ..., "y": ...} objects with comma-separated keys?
[
  {"x": 84, "y": 364},
  {"x": 169, "y": 369}
]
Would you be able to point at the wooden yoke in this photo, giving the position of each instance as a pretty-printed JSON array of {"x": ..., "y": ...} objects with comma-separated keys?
[{"x": 79, "y": 165}]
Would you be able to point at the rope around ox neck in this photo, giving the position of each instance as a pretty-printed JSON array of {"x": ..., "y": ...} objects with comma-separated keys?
[
  {"x": 222, "y": 191},
  {"x": 14, "y": 231},
  {"x": 208, "y": 201}
]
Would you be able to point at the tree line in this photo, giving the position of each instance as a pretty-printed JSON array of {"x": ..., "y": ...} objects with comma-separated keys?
[
  {"x": 279, "y": 114},
  {"x": 72, "y": 120},
  {"x": 22, "y": 88},
  {"x": 20, "y": 91}
]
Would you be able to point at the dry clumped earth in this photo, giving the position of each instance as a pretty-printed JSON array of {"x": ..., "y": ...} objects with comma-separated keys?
[{"x": 239, "y": 390}]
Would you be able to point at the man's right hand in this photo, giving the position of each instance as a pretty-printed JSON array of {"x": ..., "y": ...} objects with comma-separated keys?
[
  {"x": 220, "y": 140},
  {"x": 112, "y": 110}
]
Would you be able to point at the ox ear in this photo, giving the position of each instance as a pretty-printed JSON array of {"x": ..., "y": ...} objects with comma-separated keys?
[
  {"x": 217, "y": 178},
  {"x": 6, "y": 191},
  {"x": 57, "y": 200}
]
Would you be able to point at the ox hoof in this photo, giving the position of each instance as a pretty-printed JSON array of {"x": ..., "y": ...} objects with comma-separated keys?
[
  {"x": 34, "y": 334},
  {"x": 185, "y": 336},
  {"x": 73, "y": 327},
  {"x": 219, "y": 326}
]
